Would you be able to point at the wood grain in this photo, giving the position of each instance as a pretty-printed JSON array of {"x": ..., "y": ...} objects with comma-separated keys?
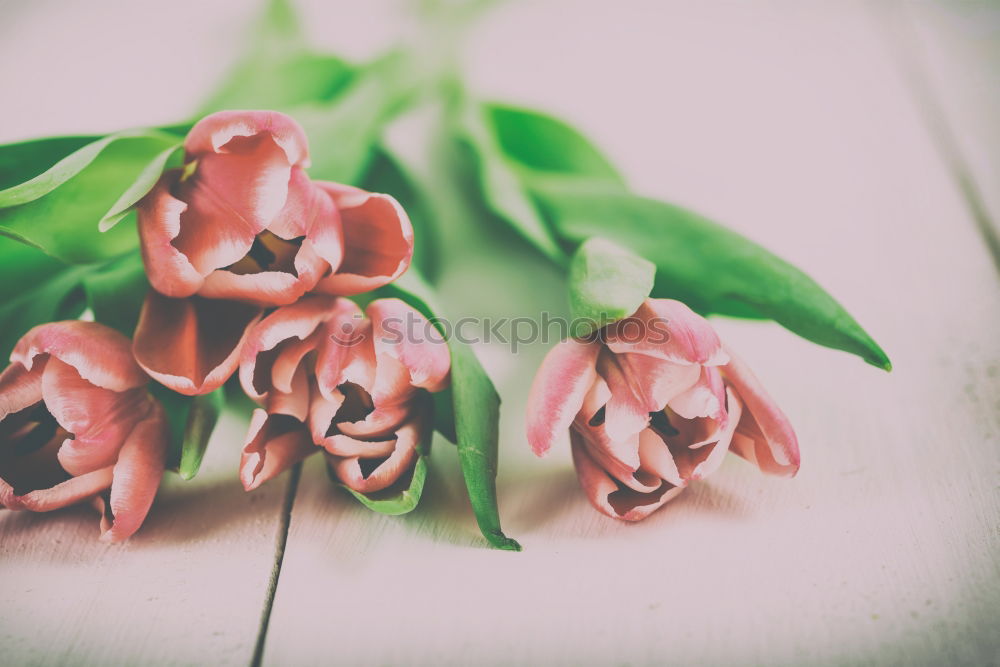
[
  {"x": 189, "y": 586},
  {"x": 793, "y": 123},
  {"x": 795, "y": 127}
]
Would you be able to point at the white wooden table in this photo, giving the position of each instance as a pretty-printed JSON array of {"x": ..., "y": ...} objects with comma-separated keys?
[{"x": 859, "y": 141}]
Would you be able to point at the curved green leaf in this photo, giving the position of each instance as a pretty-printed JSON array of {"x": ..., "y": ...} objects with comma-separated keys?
[
  {"x": 115, "y": 292},
  {"x": 59, "y": 211},
  {"x": 347, "y": 128},
  {"x": 25, "y": 160},
  {"x": 606, "y": 284},
  {"x": 192, "y": 420},
  {"x": 476, "y": 412},
  {"x": 500, "y": 184},
  {"x": 202, "y": 417},
  {"x": 711, "y": 268},
  {"x": 544, "y": 143},
  {"x": 23, "y": 268},
  {"x": 143, "y": 183},
  {"x": 400, "y": 498},
  {"x": 36, "y": 289}
]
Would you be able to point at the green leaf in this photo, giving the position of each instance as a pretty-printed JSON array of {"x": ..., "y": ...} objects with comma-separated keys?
[
  {"x": 48, "y": 291},
  {"x": 476, "y": 416},
  {"x": 25, "y": 160},
  {"x": 202, "y": 417},
  {"x": 59, "y": 210},
  {"x": 116, "y": 290},
  {"x": 346, "y": 129},
  {"x": 144, "y": 182},
  {"x": 513, "y": 148},
  {"x": 711, "y": 268},
  {"x": 388, "y": 174},
  {"x": 444, "y": 414},
  {"x": 541, "y": 142},
  {"x": 295, "y": 79},
  {"x": 192, "y": 420},
  {"x": 606, "y": 284},
  {"x": 23, "y": 268},
  {"x": 500, "y": 183},
  {"x": 279, "y": 70}
]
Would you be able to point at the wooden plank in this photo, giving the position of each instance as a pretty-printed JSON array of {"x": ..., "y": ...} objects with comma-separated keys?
[
  {"x": 187, "y": 588},
  {"x": 791, "y": 123},
  {"x": 949, "y": 52}
]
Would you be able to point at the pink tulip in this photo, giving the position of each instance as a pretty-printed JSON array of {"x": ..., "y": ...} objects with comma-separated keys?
[
  {"x": 355, "y": 386},
  {"x": 241, "y": 220},
  {"x": 653, "y": 403},
  {"x": 75, "y": 422},
  {"x": 242, "y": 223}
]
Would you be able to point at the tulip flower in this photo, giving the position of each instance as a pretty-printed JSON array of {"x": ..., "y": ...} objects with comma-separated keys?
[
  {"x": 242, "y": 220},
  {"x": 358, "y": 387},
  {"x": 77, "y": 424},
  {"x": 652, "y": 403}
]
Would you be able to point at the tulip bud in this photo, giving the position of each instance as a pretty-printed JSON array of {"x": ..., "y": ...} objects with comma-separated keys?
[
  {"x": 77, "y": 424},
  {"x": 654, "y": 402}
]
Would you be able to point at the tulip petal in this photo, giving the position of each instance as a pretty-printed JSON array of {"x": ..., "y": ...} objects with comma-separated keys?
[
  {"x": 558, "y": 391},
  {"x": 232, "y": 195},
  {"x": 764, "y": 436},
  {"x": 267, "y": 288},
  {"x": 346, "y": 446},
  {"x": 288, "y": 362},
  {"x": 370, "y": 474},
  {"x": 656, "y": 457},
  {"x": 667, "y": 329},
  {"x": 597, "y": 397},
  {"x": 696, "y": 447},
  {"x": 137, "y": 475},
  {"x": 347, "y": 353},
  {"x": 100, "y": 419},
  {"x": 101, "y": 355},
  {"x": 625, "y": 414},
  {"x": 64, "y": 494},
  {"x": 619, "y": 460},
  {"x": 20, "y": 388},
  {"x": 212, "y": 234},
  {"x": 276, "y": 344},
  {"x": 309, "y": 212},
  {"x": 274, "y": 443},
  {"x": 295, "y": 402},
  {"x": 378, "y": 240},
  {"x": 159, "y": 222},
  {"x": 322, "y": 410},
  {"x": 213, "y": 133},
  {"x": 191, "y": 345},
  {"x": 656, "y": 381},
  {"x": 610, "y": 498},
  {"x": 711, "y": 462},
  {"x": 707, "y": 398},
  {"x": 380, "y": 422},
  {"x": 401, "y": 333}
]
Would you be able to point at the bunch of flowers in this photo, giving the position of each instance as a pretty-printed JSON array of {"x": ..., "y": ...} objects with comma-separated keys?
[
  {"x": 247, "y": 259},
  {"x": 148, "y": 274}
]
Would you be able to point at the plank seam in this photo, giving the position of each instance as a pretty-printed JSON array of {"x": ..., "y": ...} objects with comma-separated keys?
[
  {"x": 909, "y": 58},
  {"x": 279, "y": 556}
]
